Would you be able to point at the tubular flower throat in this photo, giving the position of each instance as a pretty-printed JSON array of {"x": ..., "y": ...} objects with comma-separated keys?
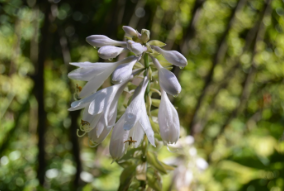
[{"x": 100, "y": 106}]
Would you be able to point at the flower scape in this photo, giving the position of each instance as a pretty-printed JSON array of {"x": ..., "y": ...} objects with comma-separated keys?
[{"x": 138, "y": 70}]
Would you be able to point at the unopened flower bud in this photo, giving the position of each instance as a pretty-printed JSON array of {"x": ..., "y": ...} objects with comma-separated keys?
[
  {"x": 109, "y": 52},
  {"x": 129, "y": 31},
  {"x": 169, "y": 82},
  {"x": 145, "y": 35},
  {"x": 168, "y": 120},
  {"x": 135, "y": 47},
  {"x": 101, "y": 40},
  {"x": 172, "y": 56}
]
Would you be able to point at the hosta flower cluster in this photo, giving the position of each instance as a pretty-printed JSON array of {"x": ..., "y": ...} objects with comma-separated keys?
[{"x": 100, "y": 106}]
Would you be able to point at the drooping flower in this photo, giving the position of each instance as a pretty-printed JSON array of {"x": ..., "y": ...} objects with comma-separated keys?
[
  {"x": 135, "y": 47},
  {"x": 109, "y": 52},
  {"x": 172, "y": 56},
  {"x": 95, "y": 73},
  {"x": 132, "y": 113},
  {"x": 129, "y": 31},
  {"x": 123, "y": 71},
  {"x": 100, "y": 107},
  {"x": 141, "y": 125},
  {"x": 168, "y": 120},
  {"x": 100, "y": 111},
  {"x": 102, "y": 40},
  {"x": 168, "y": 81}
]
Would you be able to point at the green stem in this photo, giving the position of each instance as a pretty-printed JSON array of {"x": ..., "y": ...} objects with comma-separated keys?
[{"x": 146, "y": 60}]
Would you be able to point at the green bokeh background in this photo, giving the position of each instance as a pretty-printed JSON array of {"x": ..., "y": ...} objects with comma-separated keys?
[{"x": 238, "y": 128}]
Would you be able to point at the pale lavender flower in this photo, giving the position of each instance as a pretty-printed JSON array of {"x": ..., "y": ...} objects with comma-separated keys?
[
  {"x": 168, "y": 81},
  {"x": 135, "y": 47},
  {"x": 130, "y": 32},
  {"x": 100, "y": 107},
  {"x": 109, "y": 52},
  {"x": 102, "y": 40},
  {"x": 132, "y": 125},
  {"x": 168, "y": 120},
  {"x": 95, "y": 73},
  {"x": 172, "y": 56}
]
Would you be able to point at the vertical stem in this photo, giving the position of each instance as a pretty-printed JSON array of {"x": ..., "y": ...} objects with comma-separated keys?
[
  {"x": 147, "y": 98},
  {"x": 39, "y": 90},
  {"x": 146, "y": 60}
]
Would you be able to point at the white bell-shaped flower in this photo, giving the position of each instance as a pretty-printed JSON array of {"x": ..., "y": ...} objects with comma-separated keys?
[
  {"x": 172, "y": 56},
  {"x": 95, "y": 73},
  {"x": 102, "y": 40},
  {"x": 136, "y": 47},
  {"x": 133, "y": 111},
  {"x": 121, "y": 138},
  {"x": 109, "y": 52},
  {"x": 168, "y": 120},
  {"x": 101, "y": 111},
  {"x": 168, "y": 81},
  {"x": 123, "y": 71},
  {"x": 129, "y": 31}
]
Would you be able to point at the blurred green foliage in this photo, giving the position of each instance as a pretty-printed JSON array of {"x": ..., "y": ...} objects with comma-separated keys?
[{"x": 248, "y": 155}]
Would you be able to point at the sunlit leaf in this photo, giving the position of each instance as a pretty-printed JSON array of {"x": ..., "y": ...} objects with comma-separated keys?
[
  {"x": 153, "y": 160},
  {"x": 156, "y": 43},
  {"x": 126, "y": 177}
]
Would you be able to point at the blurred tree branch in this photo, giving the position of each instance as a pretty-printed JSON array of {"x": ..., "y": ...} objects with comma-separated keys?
[
  {"x": 229, "y": 74},
  {"x": 189, "y": 31},
  {"x": 39, "y": 90},
  {"x": 218, "y": 57},
  {"x": 249, "y": 75}
]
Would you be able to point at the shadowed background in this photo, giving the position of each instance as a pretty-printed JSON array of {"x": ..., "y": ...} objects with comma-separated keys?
[{"x": 231, "y": 101}]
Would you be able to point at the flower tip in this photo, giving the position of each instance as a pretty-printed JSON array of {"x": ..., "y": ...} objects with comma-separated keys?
[
  {"x": 129, "y": 31},
  {"x": 70, "y": 109},
  {"x": 89, "y": 39}
]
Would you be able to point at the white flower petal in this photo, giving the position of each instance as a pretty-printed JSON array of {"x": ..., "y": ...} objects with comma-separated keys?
[
  {"x": 129, "y": 31},
  {"x": 123, "y": 71},
  {"x": 109, "y": 52},
  {"x": 172, "y": 56},
  {"x": 111, "y": 107},
  {"x": 101, "y": 40},
  {"x": 118, "y": 144},
  {"x": 92, "y": 85},
  {"x": 146, "y": 126},
  {"x": 96, "y": 106},
  {"x": 99, "y": 79},
  {"x": 137, "y": 134},
  {"x": 135, "y": 47},
  {"x": 100, "y": 126},
  {"x": 119, "y": 135},
  {"x": 79, "y": 104},
  {"x": 101, "y": 100},
  {"x": 83, "y": 64},
  {"x": 92, "y": 120},
  {"x": 86, "y": 73},
  {"x": 132, "y": 113},
  {"x": 97, "y": 140},
  {"x": 169, "y": 82},
  {"x": 168, "y": 120}
]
